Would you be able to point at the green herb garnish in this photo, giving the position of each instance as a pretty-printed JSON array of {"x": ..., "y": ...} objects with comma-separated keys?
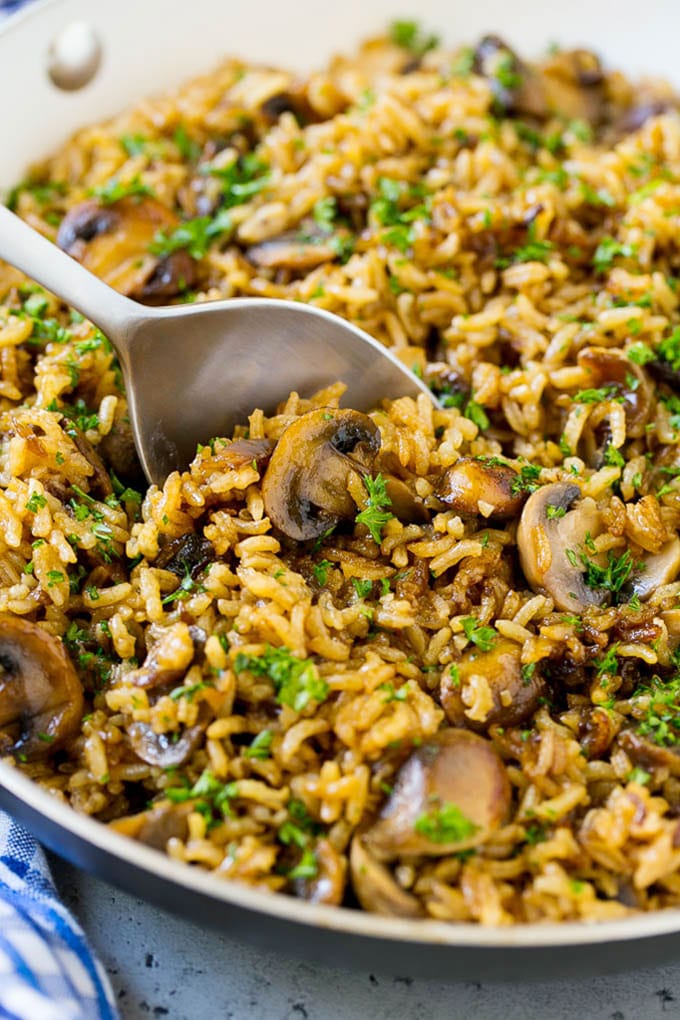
[
  {"x": 446, "y": 824},
  {"x": 376, "y": 514},
  {"x": 297, "y": 681}
]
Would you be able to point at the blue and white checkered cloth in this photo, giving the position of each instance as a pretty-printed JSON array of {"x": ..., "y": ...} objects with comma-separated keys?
[{"x": 47, "y": 969}]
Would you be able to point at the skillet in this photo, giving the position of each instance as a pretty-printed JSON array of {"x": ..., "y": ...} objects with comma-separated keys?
[{"x": 144, "y": 49}]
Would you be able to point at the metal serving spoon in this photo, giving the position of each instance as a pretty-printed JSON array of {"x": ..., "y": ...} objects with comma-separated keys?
[{"x": 196, "y": 371}]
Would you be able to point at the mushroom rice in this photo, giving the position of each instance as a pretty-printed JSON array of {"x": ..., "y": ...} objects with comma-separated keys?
[{"x": 424, "y": 661}]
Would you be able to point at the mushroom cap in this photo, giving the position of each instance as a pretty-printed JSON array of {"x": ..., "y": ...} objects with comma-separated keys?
[
  {"x": 41, "y": 697},
  {"x": 112, "y": 241},
  {"x": 305, "y": 485},
  {"x": 495, "y": 679},
  {"x": 544, "y": 543},
  {"x": 453, "y": 768},
  {"x": 471, "y": 487}
]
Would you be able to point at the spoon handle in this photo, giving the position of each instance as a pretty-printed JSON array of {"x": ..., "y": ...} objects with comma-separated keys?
[{"x": 41, "y": 260}]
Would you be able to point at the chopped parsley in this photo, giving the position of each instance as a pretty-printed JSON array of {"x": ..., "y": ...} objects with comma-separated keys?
[
  {"x": 446, "y": 824},
  {"x": 610, "y": 578},
  {"x": 320, "y": 571},
  {"x": 260, "y": 747},
  {"x": 478, "y": 634},
  {"x": 362, "y": 586},
  {"x": 387, "y": 210},
  {"x": 640, "y": 354},
  {"x": 299, "y": 833},
  {"x": 410, "y": 36},
  {"x": 36, "y": 502},
  {"x": 534, "y": 250},
  {"x": 241, "y": 179},
  {"x": 196, "y": 236},
  {"x": 296, "y": 681},
  {"x": 212, "y": 797},
  {"x": 186, "y": 587},
  {"x": 609, "y": 663},
  {"x": 614, "y": 457},
  {"x": 114, "y": 190},
  {"x": 188, "y": 691},
  {"x": 188, "y": 148},
  {"x": 394, "y": 695},
  {"x": 527, "y": 479},
  {"x": 661, "y": 719},
  {"x": 669, "y": 349},
  {"x": 476, "y": 413},
  {"x": 594, "y": 396},
  {"x": 376, "y": 513},
  {"x": 607, "y": 250}
]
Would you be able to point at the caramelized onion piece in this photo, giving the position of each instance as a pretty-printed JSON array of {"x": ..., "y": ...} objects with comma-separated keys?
[{"x": 41, "y": 697}]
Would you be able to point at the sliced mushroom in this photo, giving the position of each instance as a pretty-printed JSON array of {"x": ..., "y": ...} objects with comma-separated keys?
[
  {"x": 516, "y": 88},
  {"x": 168, "y": 660},
  {"x": 41, "y": 697},
  {"x": 490, "y": 689},
  {"x": 158, "y": 825},
  {"x": 656, "y": 570},
  {"x": 167, "y": 750},
  {"x": 454, "y": 769},
  {"x": 112, "y": 241},
  {"x": 609, "y": 367},
  {"x": 298, "y": 250},
  {"x": 245, "y": 451},
  {"x": 328, "y": 885},
  {"x": 574, "y": 86},
  {"x": 118, "y": 450},
  {"x": 636, "y": 116},
  {"x": 550, "y": 537},
  {"x": 472, "y": 488},
  {"x": 305, "y": 485},
  {"x": 188, "y": 554},
  {"x": 100, "y": 482},
  {"x": 375, "y": 887},
  {"x": 570, "y": 85}
]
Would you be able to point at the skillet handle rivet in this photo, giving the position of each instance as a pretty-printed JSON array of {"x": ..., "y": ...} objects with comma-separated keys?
[{"x": 74, "y": 56}]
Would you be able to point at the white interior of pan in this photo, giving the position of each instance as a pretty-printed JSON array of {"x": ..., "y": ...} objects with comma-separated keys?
[{"x": 155, "y": 44}]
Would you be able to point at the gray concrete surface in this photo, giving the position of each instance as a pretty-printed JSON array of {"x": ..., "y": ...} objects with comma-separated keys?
[{"x": 161, "y": 967}]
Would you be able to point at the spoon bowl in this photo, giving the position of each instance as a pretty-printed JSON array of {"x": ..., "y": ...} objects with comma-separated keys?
[{"x": 195, "y": 371}]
